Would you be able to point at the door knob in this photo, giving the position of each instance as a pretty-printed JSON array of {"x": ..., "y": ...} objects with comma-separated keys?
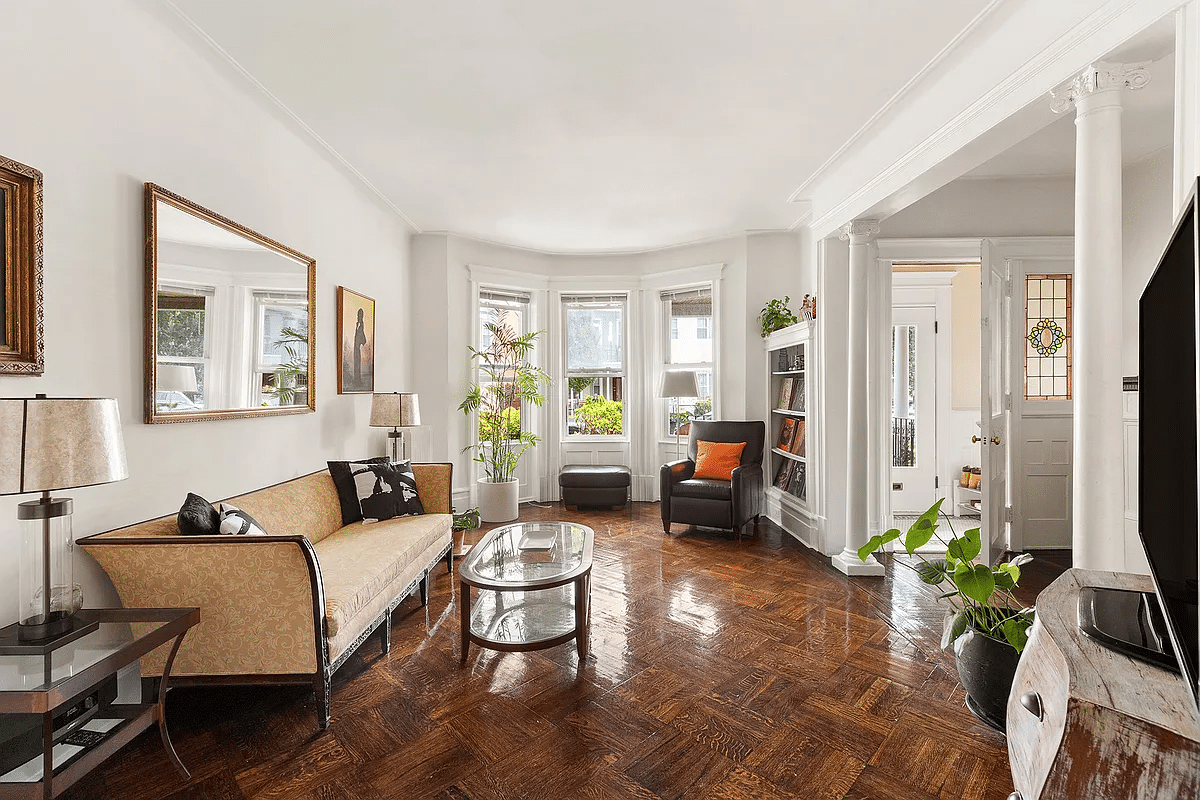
[
  {"x": 1015, "y": 796},
  {"x": 995, "y": 440},
  {"x": 1032, "y": 702},
  {"x": 975, "y": 439}
]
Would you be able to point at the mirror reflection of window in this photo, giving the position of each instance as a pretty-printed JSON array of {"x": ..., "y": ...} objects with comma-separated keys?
[
  {"x": 281, "y": 359},
  {"x": 183, "y": 341},
  {"x": 233, "y": 309}
]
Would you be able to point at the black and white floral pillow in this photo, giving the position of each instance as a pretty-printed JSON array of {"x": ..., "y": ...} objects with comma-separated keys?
[
  {"x": 386, "y": 490},
  {"x": 235, "y": 522}
]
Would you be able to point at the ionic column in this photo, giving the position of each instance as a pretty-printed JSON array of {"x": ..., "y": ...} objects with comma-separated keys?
[
  {"x": 861, "y": 234},
  {"x": 1098, "y": 507}
]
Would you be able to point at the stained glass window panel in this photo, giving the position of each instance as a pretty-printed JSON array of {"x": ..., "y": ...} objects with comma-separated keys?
[{"x": 1048, "y": 342}]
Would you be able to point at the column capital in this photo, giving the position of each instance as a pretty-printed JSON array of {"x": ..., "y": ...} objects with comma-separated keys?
[
  {"x": 859, "y": 231},
  {"x": 1101, "y": 76}
]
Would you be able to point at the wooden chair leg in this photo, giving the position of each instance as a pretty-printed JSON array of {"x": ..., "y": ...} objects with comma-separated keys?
[{"x": 666, "y": 526}]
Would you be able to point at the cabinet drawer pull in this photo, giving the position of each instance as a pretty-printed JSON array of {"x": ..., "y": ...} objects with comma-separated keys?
[
  {"x": 1032, "y": 702},
  {"x": 1015, "y": 796}
]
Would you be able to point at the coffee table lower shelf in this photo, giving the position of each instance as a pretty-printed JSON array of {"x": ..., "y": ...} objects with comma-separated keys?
[{"x": 517, "y": 621}]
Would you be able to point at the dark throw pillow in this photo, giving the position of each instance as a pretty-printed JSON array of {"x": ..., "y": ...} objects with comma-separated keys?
[
  {"x": 235, "y": 522},
  {"x": 343, "y": 481},
  {"x": 197, "y": 517},
  {"x": 386, "y": 490}
]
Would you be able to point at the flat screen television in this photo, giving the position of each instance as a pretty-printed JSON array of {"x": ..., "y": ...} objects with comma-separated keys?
[{"x": 1169, "y": 403}]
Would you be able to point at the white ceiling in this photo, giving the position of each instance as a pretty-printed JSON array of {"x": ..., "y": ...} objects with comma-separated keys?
[{"x": 572, "y": 127}]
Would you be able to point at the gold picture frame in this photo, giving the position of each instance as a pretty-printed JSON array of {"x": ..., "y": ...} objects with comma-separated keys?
[
  {"x": 356, "y": 342},
  {"x": 21, "y": 305}
]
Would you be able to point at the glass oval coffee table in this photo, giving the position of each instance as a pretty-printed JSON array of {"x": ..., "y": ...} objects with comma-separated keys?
[{"x": 534, "y": 585}]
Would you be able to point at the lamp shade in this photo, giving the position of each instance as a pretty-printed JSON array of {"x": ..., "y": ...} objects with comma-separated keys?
[
  {"x": 175, "y": 378},
  {"x": 395, "y": 410},
  {"x": 60, "y": 443},
  {"x": 678, "y": 383}
]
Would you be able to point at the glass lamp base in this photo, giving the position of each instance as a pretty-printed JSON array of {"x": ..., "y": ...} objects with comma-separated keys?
[
  {"x": 40, "y": 629},
  {"x": 11, "y": 643}
]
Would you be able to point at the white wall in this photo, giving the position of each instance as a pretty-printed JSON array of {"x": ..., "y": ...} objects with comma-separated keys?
[
  {"x": 971, "y": 207},
  {"x": 100, "y": 98},
  {"x": 1148, "y": 217}
]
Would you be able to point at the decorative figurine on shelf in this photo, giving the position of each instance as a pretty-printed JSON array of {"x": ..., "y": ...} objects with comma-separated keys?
[{"x": 808, "y": 307}]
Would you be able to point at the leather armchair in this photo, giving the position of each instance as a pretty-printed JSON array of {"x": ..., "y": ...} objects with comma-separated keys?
[{"x": 712, "y": 503}]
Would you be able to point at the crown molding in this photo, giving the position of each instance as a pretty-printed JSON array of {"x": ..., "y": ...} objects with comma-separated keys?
[{"x": 892, "y": 102}]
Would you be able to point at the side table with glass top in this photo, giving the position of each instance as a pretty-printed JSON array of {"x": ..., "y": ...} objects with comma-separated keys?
[
  {"x": 534, "y": 585},
  {"x": 60, "y": 683}
]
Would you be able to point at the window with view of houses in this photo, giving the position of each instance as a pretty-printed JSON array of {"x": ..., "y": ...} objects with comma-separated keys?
[
  {"x": 594, "y": 347},
  {"x": 689, "y": 345}
]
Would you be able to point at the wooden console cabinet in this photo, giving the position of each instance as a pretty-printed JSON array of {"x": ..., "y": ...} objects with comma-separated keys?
[{"x": 1087, "y": 722}]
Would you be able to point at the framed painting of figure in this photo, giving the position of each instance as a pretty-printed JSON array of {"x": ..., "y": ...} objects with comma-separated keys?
[{"x": 356, "y": 342}]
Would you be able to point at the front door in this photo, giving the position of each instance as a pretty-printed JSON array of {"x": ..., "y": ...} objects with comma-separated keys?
[
  {"x": 995, "y": 397},
  {"x": 914, "y": 410}
]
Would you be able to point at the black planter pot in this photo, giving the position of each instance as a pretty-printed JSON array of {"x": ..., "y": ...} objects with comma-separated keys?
[{"x": 986, "y": 667}]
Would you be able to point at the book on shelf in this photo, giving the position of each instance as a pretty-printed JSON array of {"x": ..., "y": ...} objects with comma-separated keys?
[
  {"x": 796, "y": 481},
  {"x": 797, "y": 444},
  {"x": 784, "y": 473},
  {"x": 787, "y": 432},
  {"x": 798, "y": 395},
  {"x": 785, "y": 393}
]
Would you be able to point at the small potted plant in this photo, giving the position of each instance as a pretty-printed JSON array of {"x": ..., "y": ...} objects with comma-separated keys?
[
  {"x": 986, "y": 624},
  {"x": 775, "y": 315},
  {"x": 509, "y": 381}
]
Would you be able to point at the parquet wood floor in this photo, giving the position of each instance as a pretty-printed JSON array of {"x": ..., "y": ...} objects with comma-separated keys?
[{"x": 718, "y": 669}]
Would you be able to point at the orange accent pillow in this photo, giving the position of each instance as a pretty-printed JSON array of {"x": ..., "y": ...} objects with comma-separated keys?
[{"x": 717, "y": 460}]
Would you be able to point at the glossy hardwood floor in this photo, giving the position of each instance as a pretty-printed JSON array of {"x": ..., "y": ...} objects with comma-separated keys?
[{"x": 718, "y": 669}]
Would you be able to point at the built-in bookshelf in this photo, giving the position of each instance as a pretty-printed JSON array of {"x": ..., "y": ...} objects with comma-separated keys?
[{"x": 788, "y": 472}]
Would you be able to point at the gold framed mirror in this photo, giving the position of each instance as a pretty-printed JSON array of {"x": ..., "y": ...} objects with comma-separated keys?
[
  {"x": 21, "y": 347},
  {"x": 230, "y": 317}
]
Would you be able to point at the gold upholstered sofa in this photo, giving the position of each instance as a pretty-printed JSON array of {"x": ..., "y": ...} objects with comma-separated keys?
[{"x": 289, "y": 607}]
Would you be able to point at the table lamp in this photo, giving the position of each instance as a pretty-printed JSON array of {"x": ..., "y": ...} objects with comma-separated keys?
[
  {"x": 51, "y": 444},
  {"x": 395, "y": 410},
  {"x": 678, "y": 383},
  {"x": 175, "y": 378}
]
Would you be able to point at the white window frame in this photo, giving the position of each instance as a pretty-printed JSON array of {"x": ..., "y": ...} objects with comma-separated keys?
[
  {"x": 261, "y": 363},
  {"x": 665, "y": 296},
  {"x": 568, "y": 300},
  {"x": 501, "y": 300},
  {"x": 205, "y": 360}
]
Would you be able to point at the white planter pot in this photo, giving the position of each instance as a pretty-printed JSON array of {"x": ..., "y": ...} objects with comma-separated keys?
[{"x": 498, "y": 501}]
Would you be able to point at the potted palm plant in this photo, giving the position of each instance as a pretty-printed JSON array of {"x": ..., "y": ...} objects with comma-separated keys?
[
  {"x": 508, "y": 381},
  {"x": 986, "y": 624}
]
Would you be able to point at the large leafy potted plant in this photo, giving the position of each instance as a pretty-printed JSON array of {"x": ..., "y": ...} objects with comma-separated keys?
[
  {"x": 508, "y": 380},
  {"x": 985, "y": 623}
]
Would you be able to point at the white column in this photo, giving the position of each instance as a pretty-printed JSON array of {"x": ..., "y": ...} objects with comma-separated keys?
[
  {"x": 861, "y": 234},
  {"x": 1098, "y": 510}
]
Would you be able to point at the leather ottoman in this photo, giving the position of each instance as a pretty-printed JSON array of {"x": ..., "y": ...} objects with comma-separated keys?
[{"x": 594, "y": 485}]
